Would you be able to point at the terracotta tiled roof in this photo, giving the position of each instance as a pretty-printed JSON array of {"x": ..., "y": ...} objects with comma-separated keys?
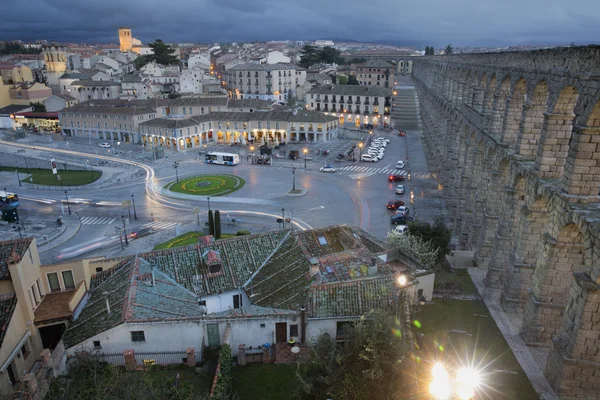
[
  {"x": 352, "y": 90},
  {"x": 316, "y": 246},
  {"x": 352, "y": 298},
  {"x": 345, "y": 266},
  {"x": 283, "y": 280},
  {"x": 136, "y": 293},
  {"x": 250, "y": 103},
  {"x": 8, "y": 302},
  {"x": 11, "y": 251},
  {"x": 241, "y": 257},
  {"x": 251, "y": 311},
  {"x": 100, "y": 277}
]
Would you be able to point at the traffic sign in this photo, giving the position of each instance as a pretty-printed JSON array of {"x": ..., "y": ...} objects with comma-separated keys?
[
  {"x": 196, "y": 210},
  {"x": 126, "y": 203}
]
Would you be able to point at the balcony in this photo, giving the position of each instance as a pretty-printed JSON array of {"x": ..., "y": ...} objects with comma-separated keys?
[
  {"x": 318, "y": 107},
  {"x": 341, "y": 109},
  {"x": 357, "y": 110},
  {"x": 341, "y": 100},
  {"x": 326, "y": 100},
  {"x": 376, "y": 102},
  {"x": 366, "y": 103},
  {"x": 366, "y": 112},
  {"x": 301, "y": 129},
  {"x": 310, "y": 129},
  {"x": 318, "y": 99},
  {"x": 333, "y": 100},
  {"x": 319, "y": 129},
  {"x": 350, "y": 101}
]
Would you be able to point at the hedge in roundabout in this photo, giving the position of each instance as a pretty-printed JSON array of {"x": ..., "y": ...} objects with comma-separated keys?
[{"x": 208, "y": 185}]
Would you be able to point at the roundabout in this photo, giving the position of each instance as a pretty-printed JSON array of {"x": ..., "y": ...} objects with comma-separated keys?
[{"x": 207, "y": 185}]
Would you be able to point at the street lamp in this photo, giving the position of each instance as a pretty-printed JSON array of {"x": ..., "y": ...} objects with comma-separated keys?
[
  {"x": 294, "y": 179},
  {"x": 305, "y": 151},
  {"x": 176, "y": 165},
  {"x": 68, "y": 205},
  {"x": 133, "y": 202},
  {"x": 283, "y": 217},
  {"x": 208, "y": 199},
  {"x": 124, "y": 230},
  {"x": 18, "y": 178},
  {"x": 252, "y": 149},
  {"x": 360, "y": 146}
]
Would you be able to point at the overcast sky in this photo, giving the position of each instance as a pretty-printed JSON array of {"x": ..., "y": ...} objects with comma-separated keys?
[{"x": 420, "y": 22}]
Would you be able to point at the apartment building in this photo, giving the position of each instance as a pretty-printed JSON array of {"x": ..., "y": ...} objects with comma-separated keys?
[
  {"x": 353, "y": 104},
  {"x": 264, "y": 81},
  {"x": 239, "y": 127},
  {"x": 376, "y": 73}
]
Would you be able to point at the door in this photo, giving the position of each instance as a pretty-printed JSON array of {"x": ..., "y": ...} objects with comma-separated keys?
[
  {"x": 212, "y": 330},
  {"x": 281, "y": 332}
]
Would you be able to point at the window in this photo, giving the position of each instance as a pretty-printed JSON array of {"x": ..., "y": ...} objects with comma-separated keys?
[
  {"x": 68, "y": 280},
  {"x": 97, "y": 344},
  {"x": 190, "y": 110},
  {"x": 342, "y": 328},
  {"x": 237, "y": 300},
  {"x": 322, "y": 240},
  {"x": 53, "y": 282},
  {"x": 138, "y": 336},
  {"x": 25, "y": 350},
  {"x": 262, "y": 325},
  {"x": 98, "y": 269},
  {"x": 294, "y": 330}
]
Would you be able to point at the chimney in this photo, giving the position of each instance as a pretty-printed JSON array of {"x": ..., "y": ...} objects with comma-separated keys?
[
  {"x": 373, "y": 269},
  {"x": 302, "y": 325},
  {"x": 153, "y": 280},
  {"x": 107, "y": 305},
  {"x": 314, "y": 266}
]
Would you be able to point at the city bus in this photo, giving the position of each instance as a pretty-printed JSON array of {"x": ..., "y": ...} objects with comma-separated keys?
[
  {"x": 8, "y": 201},
  {"x": 222, "y": 158}
]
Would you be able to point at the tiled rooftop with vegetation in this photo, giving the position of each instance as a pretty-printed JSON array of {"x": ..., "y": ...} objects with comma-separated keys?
[
  {"x": 330, "y": 240},
  {"x": 11, "y": 251},
  {"x": 345, "y": 266},
  {"x": 8, "y": 302}
]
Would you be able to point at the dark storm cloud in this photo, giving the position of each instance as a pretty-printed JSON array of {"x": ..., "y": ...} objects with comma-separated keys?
[{"x": 423, "y": 22}]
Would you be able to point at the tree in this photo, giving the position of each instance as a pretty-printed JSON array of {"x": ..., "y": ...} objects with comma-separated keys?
[
  {"x": 429, "y": 51},
  {"x": 333, "y": 78},
  {"x": 38, "y": 107},
  {"x": 367, "y": 366},
  {"x": 426, "y": 50},
  {"x": 342, "y": 80},
  {"x": 438, "y": 235},
  {"x": 17, "y": 48},
  {"x": 449, "y": 49},
  {"x": 141, "y": 61},
  {"x": 211, "y": 223},
  {"x": 217, "y": 224},
  {"x": 163, "y": 53},
  {"x": 414, "y": 247},
  {"x": 352, "y": 80},
  {"x": 310, "y": 56},
  {"x": 329, "y": 55}
]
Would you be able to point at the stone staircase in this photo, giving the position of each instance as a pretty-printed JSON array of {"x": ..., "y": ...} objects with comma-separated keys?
[{"x": 405, "y": 111}]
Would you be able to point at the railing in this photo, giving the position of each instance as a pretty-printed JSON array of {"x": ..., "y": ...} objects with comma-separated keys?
[
  {"x": 160, "y": 358},
  {"x": 112, "y": 358}
]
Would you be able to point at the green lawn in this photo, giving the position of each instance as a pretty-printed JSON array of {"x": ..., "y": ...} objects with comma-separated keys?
[
  {"x": 46, "y": 177},
  {"x": 458, "y": 280},
  {"x": 207, "y": 185},
  {"x": 185, "y": 240},
  {"x": 481, "y": 343},
  {"x": 265, "y": 382}
]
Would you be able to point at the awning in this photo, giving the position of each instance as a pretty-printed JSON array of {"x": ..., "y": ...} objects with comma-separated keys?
[
  {"x": 38, "y": 115},
  {"x": 15, "y": 351}
]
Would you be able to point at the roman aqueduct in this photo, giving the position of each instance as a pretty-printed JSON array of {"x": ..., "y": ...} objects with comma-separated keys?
[{"x": 514, "y": 138}]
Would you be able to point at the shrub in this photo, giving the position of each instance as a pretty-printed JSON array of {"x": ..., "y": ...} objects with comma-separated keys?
[
  {"x": 242, "y": 232},
  {"x": 217, "y": 224},
  {"x": 211, "y": 223},
  {"x": 225, "y": 380}
]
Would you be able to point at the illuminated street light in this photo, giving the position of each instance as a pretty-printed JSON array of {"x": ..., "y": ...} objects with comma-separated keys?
[
  {"x": 402, "y": 280},
  {"x": 305, "y": 151},
  {"x": 467, "y": 381},
  {"x": 440, "y": 385}
]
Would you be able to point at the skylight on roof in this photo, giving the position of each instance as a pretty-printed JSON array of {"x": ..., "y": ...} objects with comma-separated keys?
[{"x": 322, "y": 240}]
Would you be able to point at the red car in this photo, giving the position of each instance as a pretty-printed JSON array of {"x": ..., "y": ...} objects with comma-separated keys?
[
  {"x": 400, "y": 133},
  {"x": 396, "y": 178},
  {"x": 394, "y": 204}
]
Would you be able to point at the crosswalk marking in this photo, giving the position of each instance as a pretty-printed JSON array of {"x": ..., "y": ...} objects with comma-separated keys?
[
  {"x": 96, "y": 220},
  {"x": 376, "y": 171},
  {"x": 160, "y": 225}
]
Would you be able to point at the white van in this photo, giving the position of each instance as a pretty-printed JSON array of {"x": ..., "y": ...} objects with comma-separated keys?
[{"x": 400, "y": 165}]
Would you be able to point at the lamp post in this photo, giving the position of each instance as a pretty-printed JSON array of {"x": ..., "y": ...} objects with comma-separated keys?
[
  {"x": 283, "y": 217},
  {"x": 133, "y": 202},
  {"x": 18, "y": 178},
  {"x": 360, "y": 146},
  {"x": 294, "y": 179},
  {"x": 208, "y": 200},
  {"x": 124, "y": 230},
  {"x": 68, "y": 205},
  {"x": 370, "y": 137},
  {"x": 305, "y": 151},
  {"x": 176, "y": 165}
]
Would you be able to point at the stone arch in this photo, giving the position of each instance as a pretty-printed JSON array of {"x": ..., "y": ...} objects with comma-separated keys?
[
  {"x": 536, "y": 104},
  {"x": 556, "y": 133},
  {"x": 476, "y": 195},
  {"x": 563, "y": 254},
  {"x": 580, "y": 176},
  {"x": 488, "y": 98},
  {"x": 499, "y": 107},
  {"x": 514, "y": 112}
]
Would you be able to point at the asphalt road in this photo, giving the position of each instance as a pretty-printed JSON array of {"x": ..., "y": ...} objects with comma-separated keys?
[{"x": 355, "y": 194}]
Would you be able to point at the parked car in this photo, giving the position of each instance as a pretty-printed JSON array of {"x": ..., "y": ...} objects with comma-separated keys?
[
  {"x": 400, "y": 189},
  {"x": 398, "y": 219},
  {"x": 400, "y": 229},
  {"x": 141, "y": 232},
  {"x": 394, "y": 204},
  {"x": 400, "y": 165},
  {"x": 403, "y": 210},
  {"x": 368, "y": 158},
  {"x": 104, "y": 145},
  {"x": 396, "y": 178},
  {"x": 327, "y": 168}
]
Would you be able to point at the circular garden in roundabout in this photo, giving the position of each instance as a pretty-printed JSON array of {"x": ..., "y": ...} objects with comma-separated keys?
[{"x": 207, "y": 185}]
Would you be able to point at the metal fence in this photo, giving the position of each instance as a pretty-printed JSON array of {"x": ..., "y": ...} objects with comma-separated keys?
[
  {"x": 160, "y": 358},
  {"x": 112, "y": 358}
]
